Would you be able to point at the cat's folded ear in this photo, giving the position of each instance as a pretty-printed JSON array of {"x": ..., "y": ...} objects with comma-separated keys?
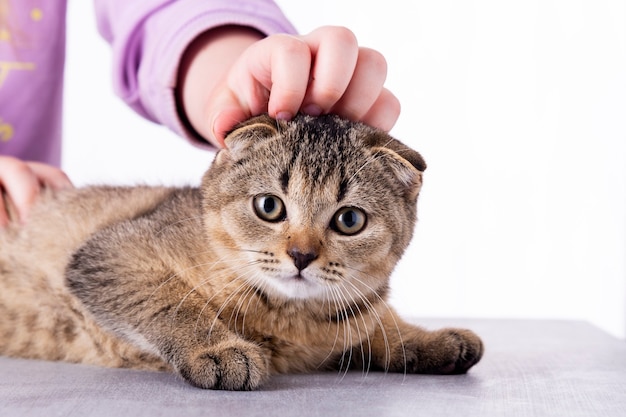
[
  {"x": 405, "y": 163},
  {"x": 246, "y": 134}
]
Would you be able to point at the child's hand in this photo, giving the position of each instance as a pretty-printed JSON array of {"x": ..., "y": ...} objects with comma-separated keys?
[
  {"x": 322, "y": 72},
  {"x": 21, "y": 182}
]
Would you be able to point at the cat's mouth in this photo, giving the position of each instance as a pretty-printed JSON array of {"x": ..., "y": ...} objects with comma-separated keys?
[
  {"x": 298, "y": 278},
  {"x": 295, "y": 285}
]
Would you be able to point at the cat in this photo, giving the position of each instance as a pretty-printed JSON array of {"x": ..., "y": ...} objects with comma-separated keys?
[{"x": 278, "y": 263}]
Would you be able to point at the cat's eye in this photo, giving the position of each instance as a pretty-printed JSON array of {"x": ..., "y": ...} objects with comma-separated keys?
[
  {"x": 269, "y": 208},
  {"x": 349, "y": 221}
]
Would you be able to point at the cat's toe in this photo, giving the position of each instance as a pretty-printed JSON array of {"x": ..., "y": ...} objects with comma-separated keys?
[
  {"x": 469, "y": 350},
  {"x": 237, "y": 365},
  {"x": 449, "y": 351},
  {"x": 460, "y": 350}
]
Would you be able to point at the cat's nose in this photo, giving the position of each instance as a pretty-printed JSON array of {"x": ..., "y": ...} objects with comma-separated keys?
[{"x": 301, "y": 260}]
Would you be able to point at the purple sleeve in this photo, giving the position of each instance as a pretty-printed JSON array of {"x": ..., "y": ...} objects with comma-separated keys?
[{"x": 149, "y": 37}]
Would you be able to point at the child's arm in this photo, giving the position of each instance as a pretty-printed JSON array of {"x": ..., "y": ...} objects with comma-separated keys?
[
  {"x": 199, "y": 67},
  {"x": 149, "y": 39}
]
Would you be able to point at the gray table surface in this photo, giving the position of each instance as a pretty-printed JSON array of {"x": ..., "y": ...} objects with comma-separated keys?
[{"x": 530, "y": 368}]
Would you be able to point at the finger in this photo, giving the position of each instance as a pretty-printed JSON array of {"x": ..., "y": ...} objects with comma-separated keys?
[
  {"x": 225, "y": 120},
  {"x": 230, "y": 105},
  {"x": 20, "y": 184},
  {"x": 271, "y": 78},
  {"x": 384, "y": 112},
  {"x": 50, "y": 176},
  {"x": 365, "y": 87},
  {"x": 335, "y": 51},
  {"x": 288, "y": 67}
]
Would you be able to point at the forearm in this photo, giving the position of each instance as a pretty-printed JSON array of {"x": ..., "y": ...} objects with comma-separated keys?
[{"x": 204, "y": 66}]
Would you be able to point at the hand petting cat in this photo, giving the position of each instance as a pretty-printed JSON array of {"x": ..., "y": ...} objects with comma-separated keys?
[
  {"x": 232, "y": 73},
  {"x": 322, "y": 72}
]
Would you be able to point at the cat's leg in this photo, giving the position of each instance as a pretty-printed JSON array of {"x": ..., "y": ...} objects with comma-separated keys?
[
  {"x": 202, "y": 349},
  {"x": 401, "y": 347},
  {"x": 166, "y": 316}
]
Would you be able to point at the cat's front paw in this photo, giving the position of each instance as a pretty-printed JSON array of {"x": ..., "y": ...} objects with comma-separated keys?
[
  {"x": 232, "y": 365},
  {"x": 447, "y": 351}
]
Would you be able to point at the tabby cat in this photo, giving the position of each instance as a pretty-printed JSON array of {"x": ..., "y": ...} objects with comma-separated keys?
[{"x": 278, "y": 262}]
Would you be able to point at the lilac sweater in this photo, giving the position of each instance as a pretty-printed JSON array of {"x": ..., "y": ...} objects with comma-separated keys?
[{"x": 148, "y": 38}]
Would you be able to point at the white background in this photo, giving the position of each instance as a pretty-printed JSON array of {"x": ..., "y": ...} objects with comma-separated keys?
[{"x": 519, "y": 107}]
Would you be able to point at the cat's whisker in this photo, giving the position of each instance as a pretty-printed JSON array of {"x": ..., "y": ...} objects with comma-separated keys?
[
  {"x": 254, "y": 282},
  {"x": 336, "y": 302},
  {"x": 245, "y": 283},
  {"x": 235, "y": 249},
  {"x": 373, "y": 158},
  {"x": 224, "y": 305},
  {"x": 329, "y": 292},
  {"x": 349, "y": 310},
  {"x": 342, "y": 316},
  {"x": 258, "y": 284},
  {"x": 366, "y": 364},
  {"x": 404, "y": 149},
  {"x": 201, "y": 283},
  {"x": 242, "y": 283},
  {"x": 187, "y": 219},
  {"x": 378, "y": 319},
  {"x": 177, "y": 274},
  {"x": 382, "y": 327},
  {"x": 238, "y": 303},
  {"x": 327, "y": 297},
  {"x": 247, "y": 295},
  {"x": 207, "y": 303}
]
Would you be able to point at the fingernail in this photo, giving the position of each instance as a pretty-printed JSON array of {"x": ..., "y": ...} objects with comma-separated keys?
[
  {"x": 218, "y": 138},
  {"x": 284, "y": 115},
  {"x": 312, "y": 110}
]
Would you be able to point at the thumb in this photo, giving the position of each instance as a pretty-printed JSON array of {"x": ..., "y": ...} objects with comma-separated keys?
[
  {"x": 224, "y": 121},
  {"x": 225, "y": 113}
]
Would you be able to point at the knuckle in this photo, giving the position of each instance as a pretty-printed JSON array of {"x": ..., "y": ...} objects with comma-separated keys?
[
  {"x": 340, "y": 35},
  {"x": 8, "y": 162},
  {"x": 329, "y": 95},
  {"x": 61, "y": 178},
  {"x": 19, "y": 169},
  {"x": 373, "y": 59},
  {"x": 385, "y": 111},
  {"x": 291, "y": 44},
  {"x": 392, "y": 103},
  {"x": 349, "y": 111}
]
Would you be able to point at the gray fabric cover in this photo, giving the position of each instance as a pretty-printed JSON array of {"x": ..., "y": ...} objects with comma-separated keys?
[{"x": 531, "y": 368}]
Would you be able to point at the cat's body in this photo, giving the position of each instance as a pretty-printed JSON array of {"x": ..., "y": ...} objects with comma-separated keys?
[{"x": 278, "y": 263}]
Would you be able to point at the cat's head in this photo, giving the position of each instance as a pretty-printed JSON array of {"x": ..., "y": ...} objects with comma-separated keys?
[{"x": 313, "y": 208}]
